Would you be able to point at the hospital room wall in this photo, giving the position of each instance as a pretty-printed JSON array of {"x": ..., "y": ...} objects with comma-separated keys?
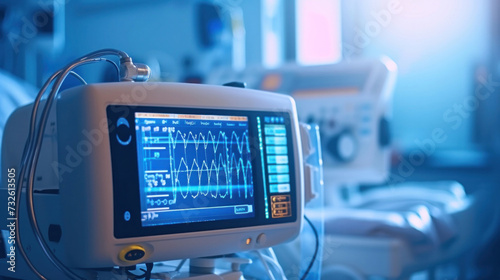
[
  {"x": 447, "y": 82},
  {"x": 439, "y": 47}
]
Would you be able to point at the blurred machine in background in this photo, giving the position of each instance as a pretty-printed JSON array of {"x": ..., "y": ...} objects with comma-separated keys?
[{"x": 351, "y": 103}]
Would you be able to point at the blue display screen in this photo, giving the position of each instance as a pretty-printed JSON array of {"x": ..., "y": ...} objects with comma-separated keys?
[
  {"x": 178, "y": 170},
  {"x": 193, "y": 168}
]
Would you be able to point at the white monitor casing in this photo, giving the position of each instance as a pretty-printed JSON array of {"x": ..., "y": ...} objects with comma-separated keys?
[{"x": 78, "y": 147}]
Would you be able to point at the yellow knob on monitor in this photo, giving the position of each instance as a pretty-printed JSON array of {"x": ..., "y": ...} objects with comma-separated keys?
[{"x": 132, "y": 253}]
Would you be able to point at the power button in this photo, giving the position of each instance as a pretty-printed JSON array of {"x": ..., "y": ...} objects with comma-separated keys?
[{"x": 132, "y": 253}]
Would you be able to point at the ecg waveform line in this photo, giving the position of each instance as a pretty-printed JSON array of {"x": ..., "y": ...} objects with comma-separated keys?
[
  {"x": 215, "y": 167},
  {"x": 197, "y": 140},
  {"x": 202, "y": 164}
]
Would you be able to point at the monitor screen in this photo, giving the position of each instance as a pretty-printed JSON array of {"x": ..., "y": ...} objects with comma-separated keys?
[
  {"x": 179, "y": 170},
  {"x": 193, "y": 168}
]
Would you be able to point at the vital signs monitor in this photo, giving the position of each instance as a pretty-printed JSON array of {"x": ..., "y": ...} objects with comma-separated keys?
[{"x": 142, "y": 172}]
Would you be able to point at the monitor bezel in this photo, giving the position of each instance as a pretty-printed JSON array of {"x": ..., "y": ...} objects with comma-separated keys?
[{"x": 126, "y": 196}]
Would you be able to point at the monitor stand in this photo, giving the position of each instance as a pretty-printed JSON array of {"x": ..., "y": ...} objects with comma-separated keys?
[{"x": 205, "y": 269}]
